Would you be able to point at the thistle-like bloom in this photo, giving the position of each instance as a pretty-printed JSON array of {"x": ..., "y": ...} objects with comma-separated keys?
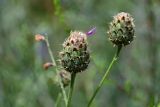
[
  {"x": 75, "y": 56},
  {"x": 121, "y": 29}
]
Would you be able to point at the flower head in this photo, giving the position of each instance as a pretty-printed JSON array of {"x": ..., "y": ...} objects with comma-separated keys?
[
  {"x": 75, "y": 56},
  {"x": 121, "y": 30}
]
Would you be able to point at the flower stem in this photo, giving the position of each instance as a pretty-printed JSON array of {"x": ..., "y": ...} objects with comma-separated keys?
[
  {"x": 73, "y": 76},
  {"x": 58, "y": 99},
  {"x": 54, "y": 63},
  {"x": 63, "y": 92},
  {"x": 105, "y": 75},
  {"x": 50, "y": 51}
]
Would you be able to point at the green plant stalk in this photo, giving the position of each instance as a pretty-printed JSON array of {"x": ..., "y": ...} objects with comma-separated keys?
[
  {"x": 58, "y": 100},
  {"x": 63, "y": 92},
  {"x": 105, "y": 75},
  {"x": 50, "y": 52},
  {"x": 73, "y": 76},
  {"x": 54, "y": 64}
]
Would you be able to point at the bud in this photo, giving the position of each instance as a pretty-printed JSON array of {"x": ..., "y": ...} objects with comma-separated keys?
[
  {"x": 65, "y": 77},
  {"x": 47, "y": 65},
  {"x": 121, "y": 29},
  {"x": 75, "y": 56},
  {"x": 39, "y": 37}
]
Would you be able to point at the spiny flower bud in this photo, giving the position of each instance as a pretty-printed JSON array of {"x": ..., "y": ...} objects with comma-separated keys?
[
  {"x": 65, "y": 77},
  {"x": 75, "y": 57},
  {"x": 121, "y": 29}
]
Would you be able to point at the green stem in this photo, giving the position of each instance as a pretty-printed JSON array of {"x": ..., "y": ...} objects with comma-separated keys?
[
  {"x": 73, "y": 76},
  {"x": 50, "y": 51},
  {"x": 63, "y": 92},
  {"x": 54, "y": 63},
  {"x": 58, "y": 99},
  {"x": 105, "y": 75}
]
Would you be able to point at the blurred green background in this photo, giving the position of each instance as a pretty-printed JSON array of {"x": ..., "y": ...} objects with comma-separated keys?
[{"x": 134, "y": 81}]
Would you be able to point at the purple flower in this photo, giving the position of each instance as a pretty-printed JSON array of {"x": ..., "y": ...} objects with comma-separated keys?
[{"x": 91, "y": 32}]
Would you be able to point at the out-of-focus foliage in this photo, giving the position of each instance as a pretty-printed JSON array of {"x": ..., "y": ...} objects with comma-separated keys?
[{"x": 133, "y": 81}]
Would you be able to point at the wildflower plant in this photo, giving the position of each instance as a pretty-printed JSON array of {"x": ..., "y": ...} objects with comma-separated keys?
[
  {"x": 120, "y": 33},
  {"x": 75, "y": 56},
  {"x": 44, "y": 38}
]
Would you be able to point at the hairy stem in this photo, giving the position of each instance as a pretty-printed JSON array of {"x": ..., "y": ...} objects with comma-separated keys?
[
  {"x": 54, "y": 63},
  {"x": 105, "y": 75},
  {"x": 63, "y": 92},
  {"x": 73, "y": 76},
  {"x": 50, "y": 51}
]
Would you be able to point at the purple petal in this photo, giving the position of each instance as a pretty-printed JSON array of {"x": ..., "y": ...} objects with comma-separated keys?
[{"x": 91, "y": 32}]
